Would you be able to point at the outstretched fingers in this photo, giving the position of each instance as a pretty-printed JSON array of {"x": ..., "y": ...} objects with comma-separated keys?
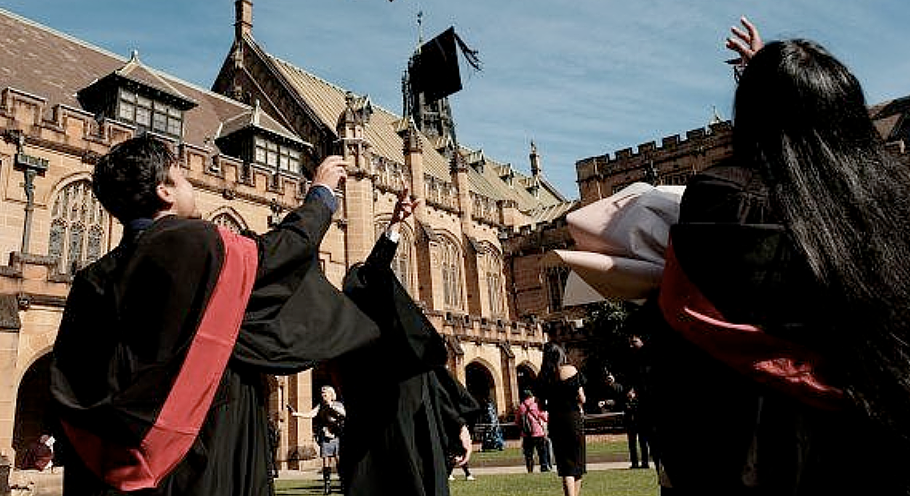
[{"x": 745, "y": 43}]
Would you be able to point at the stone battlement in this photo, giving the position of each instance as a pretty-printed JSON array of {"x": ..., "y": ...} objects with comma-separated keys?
[{"x": 696, "y": 141}]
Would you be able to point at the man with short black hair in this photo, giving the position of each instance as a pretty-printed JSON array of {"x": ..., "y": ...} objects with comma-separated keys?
[{"x": 158, "y": 363}]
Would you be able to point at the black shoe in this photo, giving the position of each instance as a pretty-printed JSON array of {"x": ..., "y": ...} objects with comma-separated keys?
[
  {"x": 634, "y": 465},
  {"x": 644, "y": 465}
]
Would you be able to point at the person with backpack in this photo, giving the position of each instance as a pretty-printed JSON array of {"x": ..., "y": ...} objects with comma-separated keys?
[{"x": 533, "y": 424}]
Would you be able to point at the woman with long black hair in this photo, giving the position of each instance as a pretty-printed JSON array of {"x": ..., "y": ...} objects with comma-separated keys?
[
  {"x": 787, "y": 288},
  {"x": 560, "y": 388}
]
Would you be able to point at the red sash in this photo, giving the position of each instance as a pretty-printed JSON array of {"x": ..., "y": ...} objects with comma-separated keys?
[
  {"x": 781, "y": 364},
  {"x": 130, "y": 468}
]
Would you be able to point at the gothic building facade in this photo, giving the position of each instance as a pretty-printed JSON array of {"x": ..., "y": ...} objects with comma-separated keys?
[{"x": 248, "y": 146}]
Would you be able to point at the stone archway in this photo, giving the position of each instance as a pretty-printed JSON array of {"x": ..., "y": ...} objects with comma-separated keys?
[
  {"x": 32, "y": 407},
  {"x": 479, "y": 382},
  {"x": 526, "y": 378}
]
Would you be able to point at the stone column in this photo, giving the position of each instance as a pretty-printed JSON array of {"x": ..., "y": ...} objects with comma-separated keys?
[
  {"x": 459, "y": 171},
  {"x": 9, "y": 347},
  {"x": 509, "y": 377},
  {"x": 413, "y": 161},
  {"x": 358, "y": 188}
]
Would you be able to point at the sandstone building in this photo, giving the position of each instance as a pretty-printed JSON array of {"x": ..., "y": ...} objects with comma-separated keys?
[
  {"x": 538, "y": 280},
  {"x": 248, "y": 146}
]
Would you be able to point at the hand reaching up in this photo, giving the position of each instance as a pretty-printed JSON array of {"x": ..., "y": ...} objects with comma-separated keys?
[
  {"x": 745, "y": 43},
  {"x": 404, "y": 208},
  {"x": 331, "y": 172}
]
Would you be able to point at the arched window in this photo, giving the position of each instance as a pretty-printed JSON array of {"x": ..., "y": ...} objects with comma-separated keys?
[
  {"x": 77, "y": 235},
  {"x": 401, "y": 264},
  {"x": 492, "y": 265},
  {"x": 229, "y": 222},
  {"x": 450, "y": 264}
]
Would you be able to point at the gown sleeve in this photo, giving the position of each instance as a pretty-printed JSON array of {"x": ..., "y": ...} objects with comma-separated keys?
[
  {"x": 295, "y": 316},
  {"x": 406, "y": 332},
  {"x": 404, "y": 327}
]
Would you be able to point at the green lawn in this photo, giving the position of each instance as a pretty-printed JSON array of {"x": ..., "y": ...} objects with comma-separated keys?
[
  {"x": 613, "y": 450},
  {"x": 612, "y": 482}
]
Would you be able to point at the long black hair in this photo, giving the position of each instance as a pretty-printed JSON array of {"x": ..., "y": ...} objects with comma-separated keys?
[
  {"x": 801, "y": 120},
  {"x": 554, "y": 356}
]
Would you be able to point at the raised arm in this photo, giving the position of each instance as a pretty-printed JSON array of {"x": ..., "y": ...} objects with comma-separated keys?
[
  {"x": 295, "y": 316},
  {"x": 384, "y": 250}
]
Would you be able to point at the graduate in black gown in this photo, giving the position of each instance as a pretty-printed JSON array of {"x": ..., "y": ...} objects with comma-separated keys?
[
  {"x": 159, "y": 360},
  {"x": 407, "y": 416},
  {"x": 781, "y": 343}
]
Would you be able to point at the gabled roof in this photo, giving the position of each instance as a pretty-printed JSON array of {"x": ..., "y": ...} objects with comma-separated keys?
[
  {"x": 256, "y": 118},
  {"x": 890, "y": 118},
  {"x": 327, "y": 102},
  {"x": 55, "y": 66},
  {"x": 135, "y": 70},
  {"x": 492, "y": 178}
]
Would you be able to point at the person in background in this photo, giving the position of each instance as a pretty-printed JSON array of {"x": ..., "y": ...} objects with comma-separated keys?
[
  {"x": 626, "y": 400},
  {"x": 40, "y": 456},
  {"x": 328, "y": 426},
  {"x": 492, "y": 435},
  {"x": 533, "y": 423},
  {"x": 561, "y": 391}
]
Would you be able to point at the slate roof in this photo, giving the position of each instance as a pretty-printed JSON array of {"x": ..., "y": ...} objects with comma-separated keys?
[
  {"x": 327, "y": 101},
  {"x": 55, "y": 66}
]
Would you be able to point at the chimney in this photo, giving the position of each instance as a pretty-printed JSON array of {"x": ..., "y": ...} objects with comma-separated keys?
[
  {"x": 243, "y": 22},
  {"x": 535, "y": 160}
]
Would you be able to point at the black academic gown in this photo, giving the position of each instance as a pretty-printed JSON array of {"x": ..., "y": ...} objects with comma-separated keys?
[
  {"x": 130, "y": 318},
  {"x": 723, "y": 431},
  {"x": 405, "y": 410}
]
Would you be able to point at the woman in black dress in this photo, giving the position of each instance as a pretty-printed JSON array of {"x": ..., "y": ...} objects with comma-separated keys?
[{"x": 562, "y": 394}]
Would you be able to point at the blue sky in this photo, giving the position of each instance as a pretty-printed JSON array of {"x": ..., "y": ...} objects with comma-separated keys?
[{"x": 580, "y": 77}]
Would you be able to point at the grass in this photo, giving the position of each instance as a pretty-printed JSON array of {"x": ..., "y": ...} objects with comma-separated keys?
[
  {"x": 612, "y": 482},
  {"x": 613, "y": 448}
]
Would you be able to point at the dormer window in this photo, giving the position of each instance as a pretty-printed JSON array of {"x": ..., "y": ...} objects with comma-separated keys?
[
  {"x": 137, "y": 95},
  {"x": 261, "y": 142},
  {"x": 277, "y": 157},
  {"x": 149, "y": 114}
]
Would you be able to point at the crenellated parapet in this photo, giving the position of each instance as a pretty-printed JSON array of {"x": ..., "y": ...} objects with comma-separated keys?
[
  {"x": 486, "y": 209},
  {"x": 670, "y": 163},
  {"x": 72, "y": 140},
  {"x": 467, "y": 328},
  {"x": 391, "y": 176},
  {"x": 441, "y": 194}
]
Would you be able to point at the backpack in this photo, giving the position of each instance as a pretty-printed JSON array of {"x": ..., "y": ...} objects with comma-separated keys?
[{"x": 527, "y": 426}]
